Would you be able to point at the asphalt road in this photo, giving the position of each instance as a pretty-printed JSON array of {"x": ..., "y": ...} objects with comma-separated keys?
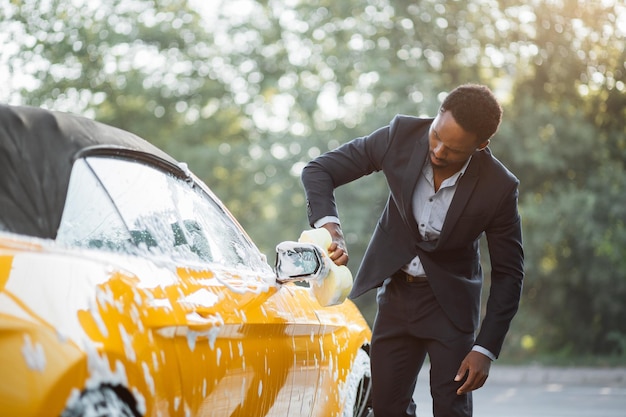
[{"x": 542, "y": 392}]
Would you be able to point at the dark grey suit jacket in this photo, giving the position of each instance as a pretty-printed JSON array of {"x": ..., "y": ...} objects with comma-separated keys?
[{"x": 485, "y": 202}]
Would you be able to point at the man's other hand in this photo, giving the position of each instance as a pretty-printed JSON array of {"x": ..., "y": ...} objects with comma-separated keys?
[{"x": 476, "y": 366}]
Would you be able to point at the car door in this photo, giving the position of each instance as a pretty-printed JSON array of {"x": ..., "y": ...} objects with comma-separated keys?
[
  {"x": 248, "y": 347},
  {"x": 245, "y": 345}
]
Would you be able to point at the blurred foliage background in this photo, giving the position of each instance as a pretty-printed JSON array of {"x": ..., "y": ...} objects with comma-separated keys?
[{"x": 246, "y": 92}]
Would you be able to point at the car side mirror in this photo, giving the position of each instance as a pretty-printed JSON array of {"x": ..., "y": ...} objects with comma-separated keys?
[{"x": 296, "y": 261}]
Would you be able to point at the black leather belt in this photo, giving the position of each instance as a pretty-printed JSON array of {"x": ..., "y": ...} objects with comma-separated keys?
[{"x": 408, "y": 277}]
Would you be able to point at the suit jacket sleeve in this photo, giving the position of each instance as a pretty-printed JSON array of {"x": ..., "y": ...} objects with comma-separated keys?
[
  {"x": 357, "y": 158},
  {"x": 504, "y": 240},
  {"x": 351, "y": 161}
]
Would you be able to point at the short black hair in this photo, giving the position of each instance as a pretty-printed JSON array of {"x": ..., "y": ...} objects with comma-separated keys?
[{"x": 475, "y": 109}]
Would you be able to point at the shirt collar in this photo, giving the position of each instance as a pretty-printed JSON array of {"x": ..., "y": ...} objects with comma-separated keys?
[{"x": 427, "y": 171}]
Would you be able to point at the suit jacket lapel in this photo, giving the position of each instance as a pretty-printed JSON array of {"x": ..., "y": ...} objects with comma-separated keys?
[
  {"x": 413, "y": 171},
  {"x": 462, "y": 195}
]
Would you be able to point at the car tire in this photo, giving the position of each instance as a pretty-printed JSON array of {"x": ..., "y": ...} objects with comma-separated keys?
[
  {"x": 103, "y": 401},
  {"x": 358, "y": 387}
]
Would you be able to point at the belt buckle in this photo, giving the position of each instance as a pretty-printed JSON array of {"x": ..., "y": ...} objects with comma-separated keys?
[
  {"x": 412, "y": 279},
  {"x": 406, "y": 277}
]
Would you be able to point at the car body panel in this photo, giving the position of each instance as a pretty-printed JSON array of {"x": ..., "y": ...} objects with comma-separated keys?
[{"x": 239, "y": 341}]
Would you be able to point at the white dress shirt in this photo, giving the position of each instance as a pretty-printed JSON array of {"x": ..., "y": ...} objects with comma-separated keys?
[{"x": 430, "y": 208}]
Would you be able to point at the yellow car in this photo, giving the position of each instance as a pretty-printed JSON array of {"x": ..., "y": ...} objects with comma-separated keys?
[{"x": 127, "y": 289}]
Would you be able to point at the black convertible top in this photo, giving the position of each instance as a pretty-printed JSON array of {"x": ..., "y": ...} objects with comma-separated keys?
[{"x": 37, "y": 150}]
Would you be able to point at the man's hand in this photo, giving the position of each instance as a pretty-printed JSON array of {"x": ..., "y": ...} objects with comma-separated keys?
[
  {"x": 337, "y": 250},
  {"x": 476, "y": 366}
]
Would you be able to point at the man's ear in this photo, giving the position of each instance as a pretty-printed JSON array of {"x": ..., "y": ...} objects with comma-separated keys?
[{"x": 483, "y": 145}]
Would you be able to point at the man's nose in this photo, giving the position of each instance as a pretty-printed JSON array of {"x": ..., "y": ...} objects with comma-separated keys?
[{"x": 440, "y": 151}]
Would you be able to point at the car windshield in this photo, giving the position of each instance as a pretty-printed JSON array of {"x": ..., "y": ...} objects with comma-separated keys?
[{"x": 128, "y": 206}]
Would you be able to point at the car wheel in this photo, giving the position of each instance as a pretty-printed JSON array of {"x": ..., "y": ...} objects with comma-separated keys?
[
  {"x": 104, "y": 401},
  {"x": 358, "y": 386}
]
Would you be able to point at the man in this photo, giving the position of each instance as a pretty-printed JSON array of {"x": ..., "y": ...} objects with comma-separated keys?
[{"x": 446, "y": 190}]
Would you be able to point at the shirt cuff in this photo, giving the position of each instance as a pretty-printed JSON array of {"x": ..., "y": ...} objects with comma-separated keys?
[
  {"x": 326, "y": 219},
  {"x": 485, "y": 352}
]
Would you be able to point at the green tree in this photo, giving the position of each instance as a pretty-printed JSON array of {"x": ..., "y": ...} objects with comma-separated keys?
[
  {"x": 567, "y": 118},
  {"x": 251, "y": 91}
]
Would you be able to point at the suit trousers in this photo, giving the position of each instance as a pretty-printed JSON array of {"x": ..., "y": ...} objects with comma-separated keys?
[{"x": 409, "y": 325}]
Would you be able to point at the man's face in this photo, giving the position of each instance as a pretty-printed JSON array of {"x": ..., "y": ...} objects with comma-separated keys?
[{"x": 450, "y": 146}]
